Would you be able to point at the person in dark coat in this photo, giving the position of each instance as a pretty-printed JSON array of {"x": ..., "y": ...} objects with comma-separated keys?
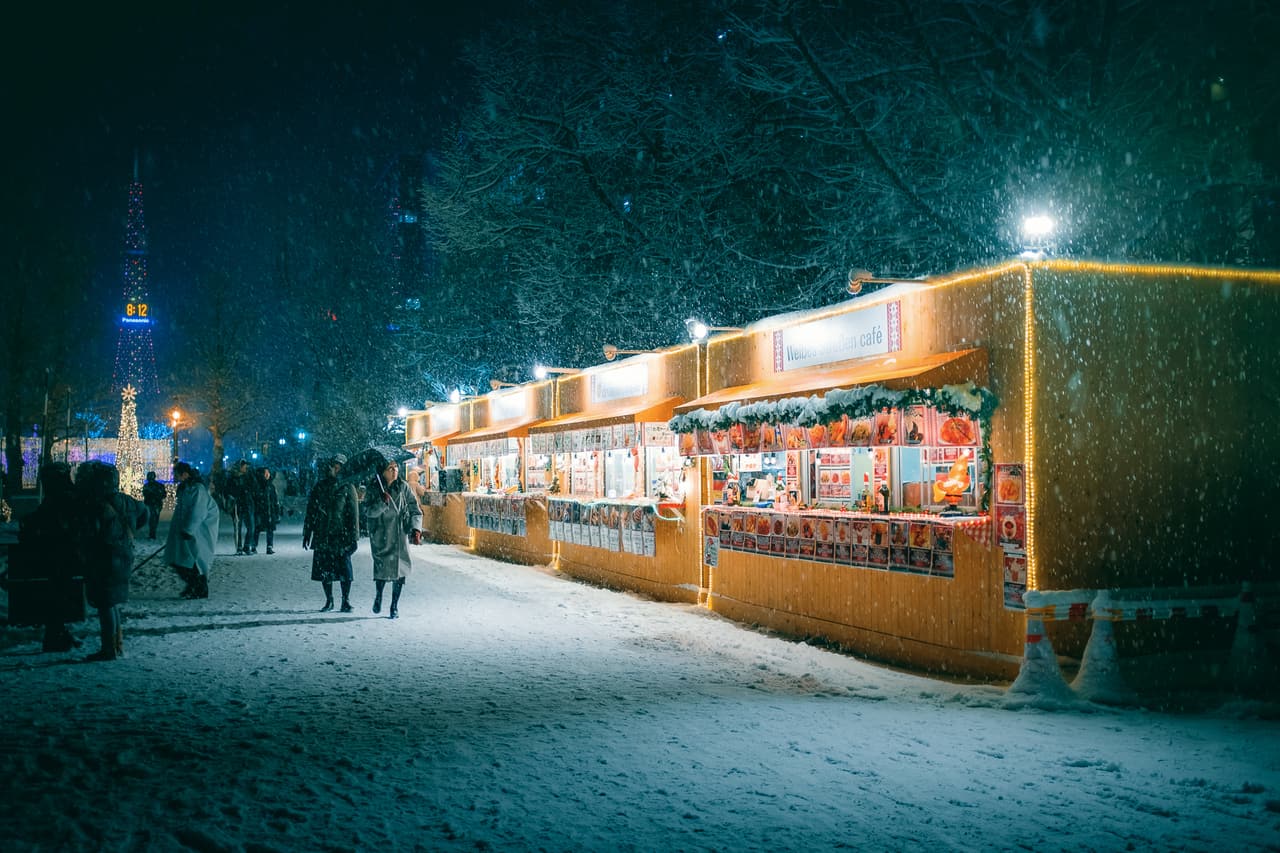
[
  {"x": 266, "y": 502},
  {"x": 332, "y": 528},
  {"x": 47, "y": 548},
  {"x": 395, "y": 520},
  {"x": 153, "y": 497},
  {"x": 241, "y": 489},
  {"x": 108, "y": 518}
]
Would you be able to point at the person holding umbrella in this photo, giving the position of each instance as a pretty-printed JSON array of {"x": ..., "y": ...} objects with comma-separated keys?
[{"x": 395, "y": 519}]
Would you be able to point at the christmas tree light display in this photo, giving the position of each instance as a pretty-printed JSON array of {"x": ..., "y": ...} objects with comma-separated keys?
[
  {"x": 128, "y": 447},
  {"x": 135, "y": 353}
]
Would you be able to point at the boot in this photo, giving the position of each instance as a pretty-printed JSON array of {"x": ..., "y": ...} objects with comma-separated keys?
[
  {"x": 101, "y": 655},
  {"x": 346, "y": 597},
  {"x": 201, "y": 587},
  {"x": 188, "y": 577},
  {"x": 120, "y": 641},
  {"x": 395, "y": 598},
  {"x": 377, "y": 597},
  {"x": 328, "y": 598}
]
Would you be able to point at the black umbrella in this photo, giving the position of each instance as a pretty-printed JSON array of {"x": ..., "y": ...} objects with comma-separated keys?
[{"x": 371, "y": 461}]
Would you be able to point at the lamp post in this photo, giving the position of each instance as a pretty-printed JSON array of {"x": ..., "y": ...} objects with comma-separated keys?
[{"x": 175, "y": 418}]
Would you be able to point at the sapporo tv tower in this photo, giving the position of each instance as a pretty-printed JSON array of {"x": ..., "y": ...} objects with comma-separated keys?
[{"x": 135, "y": 370}]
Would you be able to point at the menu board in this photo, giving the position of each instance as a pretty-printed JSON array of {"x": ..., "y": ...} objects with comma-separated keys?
[
  {"x": 497, "y": 514},
  {"x": 1009, "y": 509},
  {"x": 611, "y": 526}
]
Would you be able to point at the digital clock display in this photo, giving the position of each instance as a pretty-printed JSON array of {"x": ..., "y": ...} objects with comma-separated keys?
[{"x": 137, "y": 313}]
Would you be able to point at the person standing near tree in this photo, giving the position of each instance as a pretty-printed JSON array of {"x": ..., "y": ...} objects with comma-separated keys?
[
  {"x": 395, "y": 519},
  {"x": 241, "y": 489},
  {"x": 108, "y": 519},
  {"x": 331, "y": 528},
  {"x": 153, "y": 497},
  {"x": 192, "y": 532}
]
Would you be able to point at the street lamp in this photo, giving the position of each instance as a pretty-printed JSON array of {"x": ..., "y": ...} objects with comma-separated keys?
[
  {"x": 1037, "y": 231},
  {"x": 541, "y": 371},
  {"x": 175, "y": 419},
  {"x": 699, "y": 330}
]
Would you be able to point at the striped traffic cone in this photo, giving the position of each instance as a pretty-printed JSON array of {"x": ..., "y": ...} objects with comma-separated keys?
[
  {"x": 1099, "y": 678},
  {"x": 1039, "y": 676}
]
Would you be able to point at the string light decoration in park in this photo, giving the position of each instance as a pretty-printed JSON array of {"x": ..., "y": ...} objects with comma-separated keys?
[
  {"x": 135, "y": 352},
  {"x": 128, "y": 447}
]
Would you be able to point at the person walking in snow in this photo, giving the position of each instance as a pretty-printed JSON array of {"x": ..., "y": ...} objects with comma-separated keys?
[
  {"x": 192, "y": 532},
  {"x": 108, "y": 520},
  {"x": 240, "y": 488},
  {"x": 331, "y": 528},
  {"x": 266, "y": 503},
  {"x": 153, "y": 497},
  {"x": 395, "y": 519}
]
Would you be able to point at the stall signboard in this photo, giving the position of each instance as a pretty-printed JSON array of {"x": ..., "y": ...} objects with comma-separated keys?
[
  {"x": 620, "y": 383},
  {"x": 875, "y": 330},
  {"x": 1011, "y": 530},
  {"x": 658, "y": 435},
  {"x": 474, "y": 450}
]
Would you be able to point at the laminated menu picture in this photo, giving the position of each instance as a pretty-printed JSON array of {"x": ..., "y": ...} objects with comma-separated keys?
[
  {"x": 778, "y": 535},
  {"x": 1013, "y": 593},
  {"x": 770, "y": 438},
  {"x": 843, "y": 540},
  {"x": 818, "y": 436},
  {"x": 914, "y": 426},
  {"x": 880, "y": 534},
  {"x": 808, "y": 544},
  {"x": 957, "y": 430},
  {"x": 720, "y": 441},
  {"x": 706, "y": 442},
  {"x": 736, "y": 522},
  {"x": 942, "y": 536},
  {"x": 860, "y": 431},
  {"x": 921, "y": 560},
  {"x": 824, "y": 539},
  {"x": 1015, "y": 568},
  {"x": 793, "y": 536},
  {"x": 838, "y": 432},
  {"x": 795, "y": 437},
  {"x": 944, "y": 565},
  {"x": 899, "y": 560},
  {"x": 711, "y": 551},
  {"x": 860, "y": 555},
  {"x": 878, "y": 557},
  {"x": 861, "y": 532},
  {"x": 920, "y": 535},
  {"x": 1011, "y": 526},
  {"x": 649, "y": 530},
  {"x": 884, "y": 430},
  {"x": 898, "y": 531},
  {"x": 688, "y": 444},
  {"x": 595, "y": 536},
  {"x": 710, "y": 523},
  {"x": 1009, "y": 484}
]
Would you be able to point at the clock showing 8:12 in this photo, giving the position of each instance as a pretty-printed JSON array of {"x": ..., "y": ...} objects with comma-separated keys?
[{"x": 137, "y": 312}]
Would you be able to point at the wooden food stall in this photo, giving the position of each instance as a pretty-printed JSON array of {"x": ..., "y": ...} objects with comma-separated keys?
[
  {"x": 504, "y": 502},
  {"x": 426, "y": 435},
  {"x": 618, "y": 502}
]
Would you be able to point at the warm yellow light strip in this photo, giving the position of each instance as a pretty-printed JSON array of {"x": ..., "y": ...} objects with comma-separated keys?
[
  {"x": 1158, "y": 270},
  {"x": 1029, "y": 421}
]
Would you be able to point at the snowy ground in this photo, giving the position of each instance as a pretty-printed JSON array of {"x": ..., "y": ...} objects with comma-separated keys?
[{"x": 510, "y": 709}]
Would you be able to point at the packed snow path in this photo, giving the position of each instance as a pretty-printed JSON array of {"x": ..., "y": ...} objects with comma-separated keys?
[{"x": 510, "y": 709}]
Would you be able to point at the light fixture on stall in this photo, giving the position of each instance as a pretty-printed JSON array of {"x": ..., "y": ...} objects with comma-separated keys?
[
  {"x": 495, "y": 384},
  {"x": 541, "y": 371},
  {"x": 455, "y": 396},
  {"x": 1037, "y": 233},
  {"x": 611, "y": 352},
  {"x": 865, "y": 281},
  {"x": 699, "y": 330}
]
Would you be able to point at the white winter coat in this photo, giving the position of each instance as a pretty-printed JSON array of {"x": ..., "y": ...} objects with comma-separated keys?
[
  {"x": 389, "y": 524},
  {"x": 195, "y": 514}
]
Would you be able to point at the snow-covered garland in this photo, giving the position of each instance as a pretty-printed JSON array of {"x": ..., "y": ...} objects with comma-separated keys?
[{"x": 861, "y": 402}]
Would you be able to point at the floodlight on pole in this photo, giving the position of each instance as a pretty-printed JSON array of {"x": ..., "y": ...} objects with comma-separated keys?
[
  {"x": 611, "y": 352},
  {"x": 699, "y": 330},
  {"x": 541, "y": 371},
  {"x": 1037, "y": 233},
  {"x": 495, "y": 384}
]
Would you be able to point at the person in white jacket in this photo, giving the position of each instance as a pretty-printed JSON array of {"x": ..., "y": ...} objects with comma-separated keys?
[
  {"x": 395, "y": 520},
  {"x": 192, "y": 532}
]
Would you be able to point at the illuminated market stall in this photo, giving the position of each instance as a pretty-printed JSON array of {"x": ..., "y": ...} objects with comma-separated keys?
[
  {"x": 617, "y": 481},
  {"x": 504, "y": 502},
  {"x": 426, "y": 435}
]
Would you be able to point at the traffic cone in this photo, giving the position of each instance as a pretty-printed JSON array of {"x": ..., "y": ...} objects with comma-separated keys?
[
  {"x": 1099, "y": 679},
  {"x": 1039, "y": 676},
  {"x": 1248, "y": 651}
]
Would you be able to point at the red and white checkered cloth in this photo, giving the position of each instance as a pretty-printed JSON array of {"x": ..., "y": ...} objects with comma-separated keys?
[{"x": 979, "y": 529}]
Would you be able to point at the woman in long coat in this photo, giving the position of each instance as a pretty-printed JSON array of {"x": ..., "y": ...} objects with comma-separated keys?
[
  {"x": 192, "y": 532},
  {"x": 332, "y": 528},
  {"x": 109, "y": 520},
  {"x": 395, "y": 519}
]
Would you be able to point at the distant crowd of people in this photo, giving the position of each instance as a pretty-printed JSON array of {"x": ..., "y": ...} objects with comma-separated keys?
[{"x": 82, "y": 534}]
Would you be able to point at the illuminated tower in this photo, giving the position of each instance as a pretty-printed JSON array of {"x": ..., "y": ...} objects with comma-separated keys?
[{"x": 135, "y": 353}]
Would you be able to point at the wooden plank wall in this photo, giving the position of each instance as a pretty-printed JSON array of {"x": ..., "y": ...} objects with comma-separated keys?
[
  {"x": 447, "y": 524},
  {"x": 532, "y": 549}
]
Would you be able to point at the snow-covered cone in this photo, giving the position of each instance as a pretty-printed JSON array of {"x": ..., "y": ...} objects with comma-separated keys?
[
  {"x": 1099, "y": 678},
  {"x": 1039, "y": 676},
  {"x": 1249, "y": 663}
]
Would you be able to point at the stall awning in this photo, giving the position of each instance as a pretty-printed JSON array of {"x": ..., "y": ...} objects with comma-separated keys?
[
  {"x": 516, "y": 430},
  {"x": 930, "y": 371},
  {"x": 636, "y": 413}
]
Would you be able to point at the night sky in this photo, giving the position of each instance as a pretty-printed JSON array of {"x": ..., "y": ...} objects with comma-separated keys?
[{"x": 244, "y": 115}]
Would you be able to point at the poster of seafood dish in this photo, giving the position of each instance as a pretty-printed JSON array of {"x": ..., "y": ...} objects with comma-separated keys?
[
  {"x": 956, "y": 430},
  {"x": 914, "y": 428},
  {"x": 884, "y": 432}
]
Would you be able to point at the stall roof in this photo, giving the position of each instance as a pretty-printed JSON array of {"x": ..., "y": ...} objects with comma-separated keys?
[
  {"x": 516, "y": 430},
  {"x": 938, "y": 369},
  {"x": 642, "y": 412}
]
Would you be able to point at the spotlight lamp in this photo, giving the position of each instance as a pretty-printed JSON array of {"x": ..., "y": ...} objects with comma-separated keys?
[
  {"x": 541, "y": 371},
  {"x": 495, "y": 384},
  {"x": 611, "y": 352},
  {"x": 699, "y": 330}
]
